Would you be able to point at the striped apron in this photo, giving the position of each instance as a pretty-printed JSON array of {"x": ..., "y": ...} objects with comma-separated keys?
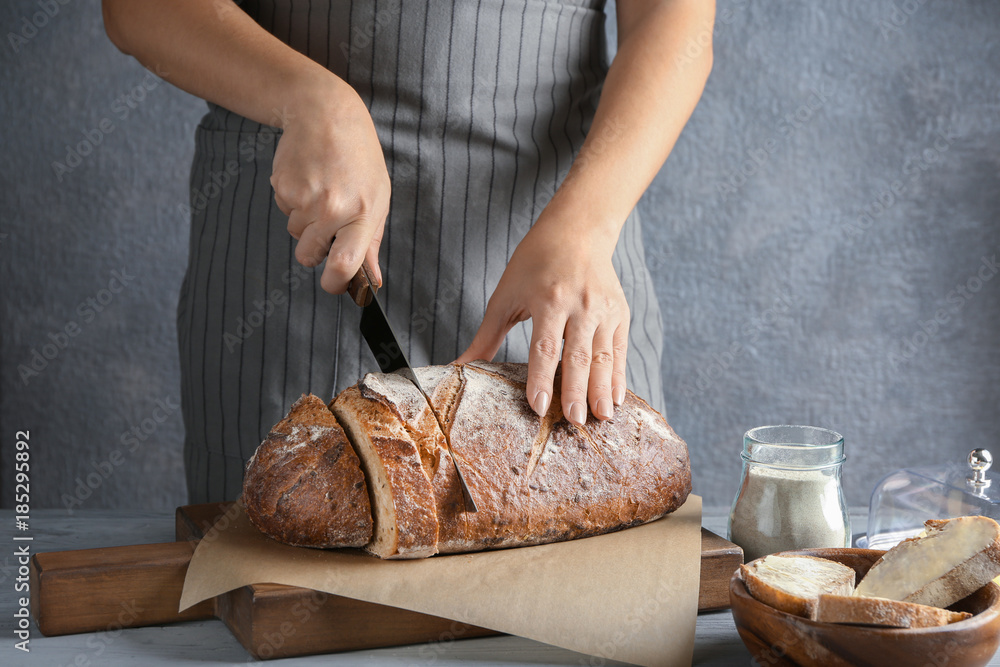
[{"x": 480, "y": 108}]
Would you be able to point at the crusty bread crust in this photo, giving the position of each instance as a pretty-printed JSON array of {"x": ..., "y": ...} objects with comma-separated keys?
[
  {"x": 303, "y": 486},
  {"x": 789, "y": 602},
  {"x": 858, "y": 610}
]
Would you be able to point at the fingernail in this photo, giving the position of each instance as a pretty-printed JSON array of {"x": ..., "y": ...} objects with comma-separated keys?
[
  {"x": 618, "y": 394},
  {"x": 604, "y": 409},
  {"x": 577, "y": 413},
  {"x": 542, "y": 403}
]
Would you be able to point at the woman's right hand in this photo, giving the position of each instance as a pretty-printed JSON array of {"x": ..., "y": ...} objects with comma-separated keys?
[
  {"x": 330, "y": 179},
  {"x": 329, "y": 174}
]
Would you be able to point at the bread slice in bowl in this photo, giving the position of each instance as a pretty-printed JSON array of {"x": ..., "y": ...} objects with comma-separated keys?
[
  {"x": 793, "y": 584},
  {"x": 950, "y": 560},
  {"x": 858, "y": 610}
]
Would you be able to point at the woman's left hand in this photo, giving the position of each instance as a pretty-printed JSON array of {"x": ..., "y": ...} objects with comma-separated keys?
[{"x": 562, "y": 278}]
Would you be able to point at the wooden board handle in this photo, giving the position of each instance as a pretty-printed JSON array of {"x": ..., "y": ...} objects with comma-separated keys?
[{"x": 93, "y": 590}]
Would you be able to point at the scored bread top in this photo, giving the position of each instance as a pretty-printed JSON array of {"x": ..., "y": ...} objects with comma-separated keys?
[
  {"x": 303, "y": 486},
  {"x": 544, "y": 479},
  {"x": 535, "y": 480}
]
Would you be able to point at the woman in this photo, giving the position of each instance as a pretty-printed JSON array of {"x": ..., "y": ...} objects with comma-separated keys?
[{"x": 512, "y": 189}]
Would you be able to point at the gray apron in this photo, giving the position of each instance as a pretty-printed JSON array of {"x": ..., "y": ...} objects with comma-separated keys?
[{"x": 480, "y": 108}]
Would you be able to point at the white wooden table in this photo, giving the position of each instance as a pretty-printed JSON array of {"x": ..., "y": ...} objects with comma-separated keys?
[{"x": 210, "y": 642}]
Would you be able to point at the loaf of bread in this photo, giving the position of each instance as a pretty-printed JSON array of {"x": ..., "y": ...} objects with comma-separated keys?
[
  {"x": 534, "y": 479},
  {"x": 793, "y": 584}
]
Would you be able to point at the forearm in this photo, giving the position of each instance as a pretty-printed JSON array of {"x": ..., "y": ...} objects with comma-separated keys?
[
  {"x": 214, "y": 50},
  {"x": 650, "y": 91}
]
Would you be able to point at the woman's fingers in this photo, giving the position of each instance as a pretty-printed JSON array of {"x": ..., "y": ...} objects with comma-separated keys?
[
  {"x": 346, "y": 254},
  {"x": 543, "y": 358},
  {"x": 619, "y": 349},
  {"x": 592, "y": 361},
  {"x": 372, "y": 255},
  {"x": 313, "y": 240},
  {"x": 602, "y": 366},
  {"x": 576, "y": 369},
  {"x": 344, "y": 249}
]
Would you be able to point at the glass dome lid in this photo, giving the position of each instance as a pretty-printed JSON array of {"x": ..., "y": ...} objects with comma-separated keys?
[{"x": 903, "y": 500}]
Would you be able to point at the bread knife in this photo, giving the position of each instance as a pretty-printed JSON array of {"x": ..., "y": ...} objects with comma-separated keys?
[{"x": 389, "y": 354}]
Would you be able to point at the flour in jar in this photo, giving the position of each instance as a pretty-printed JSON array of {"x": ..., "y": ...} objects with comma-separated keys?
[{"x": 781, "y": 509}]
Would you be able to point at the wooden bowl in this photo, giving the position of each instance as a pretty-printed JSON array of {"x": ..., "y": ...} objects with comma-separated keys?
[{"x": 776, "y": 638}]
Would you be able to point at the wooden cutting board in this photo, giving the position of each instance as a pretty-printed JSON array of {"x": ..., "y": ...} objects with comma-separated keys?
[{"x": 94, "y": 590}]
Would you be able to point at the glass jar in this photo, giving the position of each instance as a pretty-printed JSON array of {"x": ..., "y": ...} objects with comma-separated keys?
[{"x": 790, "y": 494}]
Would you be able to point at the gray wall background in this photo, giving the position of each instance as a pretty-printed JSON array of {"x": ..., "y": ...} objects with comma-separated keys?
[{"x": 817, "y": 237}]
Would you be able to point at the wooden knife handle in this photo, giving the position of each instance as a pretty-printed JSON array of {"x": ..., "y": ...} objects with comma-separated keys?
[
  {"x": 358, "y": 287},
  {"x": 95, "y": 590}
]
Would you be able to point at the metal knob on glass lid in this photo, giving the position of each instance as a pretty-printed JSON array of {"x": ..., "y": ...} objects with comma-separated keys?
[
  {"x": 904, "y": 499},
  {"x": 980, "y": 461}
]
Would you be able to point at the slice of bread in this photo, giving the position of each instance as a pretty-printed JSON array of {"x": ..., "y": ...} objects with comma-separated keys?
[
  {"x": 792, "y": 584},
  {"x": 858, "y": 610},
  {"x": 402, "y": 499},
  {"x": 952, "y": 559}
]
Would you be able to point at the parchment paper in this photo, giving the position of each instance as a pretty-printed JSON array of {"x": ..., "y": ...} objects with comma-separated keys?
[{"x": 629, "y": 596}]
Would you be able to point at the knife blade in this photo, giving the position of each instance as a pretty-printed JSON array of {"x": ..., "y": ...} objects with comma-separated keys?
[{"x": 389, "y": 355}]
